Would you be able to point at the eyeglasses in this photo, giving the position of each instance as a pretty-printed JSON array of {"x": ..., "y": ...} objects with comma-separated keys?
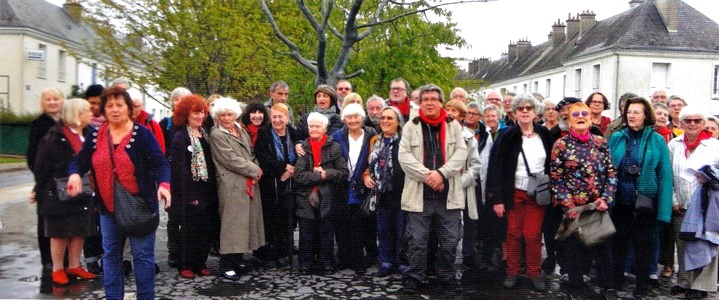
[
  {"x": 471, "y": 113},
  {"x": 525, "y": 108},
  {"x": 397, "y": 89},
  {"x": 343, "y": 89},
  {"x": 577, "y": 113},
  {"x": 695, "y": 121},
  {"x": 494, "y": 99}
]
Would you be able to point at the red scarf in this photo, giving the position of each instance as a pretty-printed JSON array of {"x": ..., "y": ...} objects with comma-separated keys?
[
  {"x": 73, "y": 138},
  {"x": 704, "y": 135},
  {"x": 440, "y": 121},
  {"x": 403, "y": 107},
  {"x": 666, "y": 132},
  {"x": 317, "y": 151},
  {"x": 253, "y": 129}
]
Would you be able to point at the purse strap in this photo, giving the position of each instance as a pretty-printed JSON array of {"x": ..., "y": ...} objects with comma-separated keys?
[
  {"x": 568, "y": 227},
  {"x": 111, "y": 149},
  {"x": 641, "y": 165},
  {"x": 526, "y": 164}
]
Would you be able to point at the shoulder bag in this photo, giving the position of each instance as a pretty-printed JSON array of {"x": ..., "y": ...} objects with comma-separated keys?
[
  {"x": 538, "y": 185},
  {"x": 61, "y": 190},
  {"x": 591, "y": 227}
]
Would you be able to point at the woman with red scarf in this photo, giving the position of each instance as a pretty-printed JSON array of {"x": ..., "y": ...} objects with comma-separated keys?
[
  {"x": 253, "y": 117},
  {"x": 661, "y": 126},
  {"x": 66, "y": 224},
  {"x": 320, "y": 176}
]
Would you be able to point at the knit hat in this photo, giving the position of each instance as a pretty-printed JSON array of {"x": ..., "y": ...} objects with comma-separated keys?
[
  {"x": 329, "y": 91},
  {"x": 94, "y": 90}
]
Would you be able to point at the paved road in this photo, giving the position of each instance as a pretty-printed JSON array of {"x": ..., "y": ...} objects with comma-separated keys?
[{"x": 21, "y": 276}]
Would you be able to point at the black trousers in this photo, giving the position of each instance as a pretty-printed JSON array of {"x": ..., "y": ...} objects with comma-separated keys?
[
  {"x": 93, "y": 244},
  {"x": 555, "y": 249},
  {"x": 639, "y": 229},
  {"x": 43, "y": 242},
  {"x": 195, "y": 235}
]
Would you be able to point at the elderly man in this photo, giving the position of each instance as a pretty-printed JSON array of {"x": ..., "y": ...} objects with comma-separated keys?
[
  {"x": 374, "y": 107},
  {"x": 659, "y": 96},
  {"x": 458, "y": 93},
  {"x": 139, "y": 115},
  {"x": 279, "y": 92},
  {"x": 414, "y": 97},
  {"x": 398, "y": 98},
  {"x": 507, "y": 105},
  {"x": 676, "y": 104},
  {"x": 618, "y": 123},
  {"x": 343, "y": 87},
  {"x": 121, "y": 82},
  {"x": 432, "y": 154}
]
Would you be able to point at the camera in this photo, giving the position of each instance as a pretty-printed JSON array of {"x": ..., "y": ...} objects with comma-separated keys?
[{"x": 633, "y": 170}]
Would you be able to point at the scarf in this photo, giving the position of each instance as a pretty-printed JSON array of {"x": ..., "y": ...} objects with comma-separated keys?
[
  {"x": 279, "y": 147},
  {"x": 330, "y": 112},
  {"x": 253, "y": 129},
  {"x": 380, "y": 162},
  {"x": 583, "y": 138},
  {"x": 73, "y": 138},
  {"x": 403, "y": 107},
  {"x": 665, "y": 132},
  {"x": 97, "y": 121},
  {"x": 704, "y": 135},
  {"x": 125, "y": 169},
  {"x": 317, "y": 152},
  {"x": 198, "y": 165},
  {"x": 442, "y": 127}
]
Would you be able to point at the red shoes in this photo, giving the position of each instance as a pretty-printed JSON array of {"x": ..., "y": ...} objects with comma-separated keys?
[
  {"x": 81, "y": 273},
  {"x": 59, "y": 277},
  {"x": 187, "y": 274},
  {"x": 205, "y": 272}
]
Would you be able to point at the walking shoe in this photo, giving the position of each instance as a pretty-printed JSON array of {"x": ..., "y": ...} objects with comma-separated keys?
[
  {"x": 510, "y": 281},
  {"x": 383, "y": 272},
  {"x": 410, "y": 286},
  {"x": 59, "y": 277},
  {"x": 187, "y": 274},
  {"x": 676, "y": 290},
  {"x": 231, "y": 275},
  {"x": 667, "y": 272},
  {"x": 205, "y": 272},
  {"x": 80, "y": 272},
  {"x": 538, "y": 283},
  {"x": 695, "y": 295},
  {"x": 94, "y": 267}
]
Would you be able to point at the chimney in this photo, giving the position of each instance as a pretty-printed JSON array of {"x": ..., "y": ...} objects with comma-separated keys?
[
  {"x": 586, "y": 21},
  {"x": 572, "y": 26},
  {"x": 504, "y": 56},
  {"x": 523, "y": 46},
  {"x": 669, "y": 11},
  {"x": 558, "y": 34},
  {"x": 482, "y": 64},
  {"x": 74, "y": 9},
  {"x": 472, "y": 69},
  {"x": 512, "y": 51},
  {"x": 635, "y": 3}
]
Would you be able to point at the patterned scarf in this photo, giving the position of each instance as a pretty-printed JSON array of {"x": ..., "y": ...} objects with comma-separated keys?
[
  {"x": 380, "y": 163},
  {"x": 198, "y": 165},
  {"x": 279, "y": 147}
]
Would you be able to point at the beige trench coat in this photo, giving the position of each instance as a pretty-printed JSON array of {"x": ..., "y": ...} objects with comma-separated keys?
[{"x": 242, "y": 228}]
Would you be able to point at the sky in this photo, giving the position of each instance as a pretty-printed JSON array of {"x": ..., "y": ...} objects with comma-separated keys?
[{"x": 489, "y": 27}]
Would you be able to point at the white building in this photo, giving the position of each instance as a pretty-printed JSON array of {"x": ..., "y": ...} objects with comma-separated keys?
[
  {"x": 37, "y": 40},
  {"x": 656, "y": 44}
]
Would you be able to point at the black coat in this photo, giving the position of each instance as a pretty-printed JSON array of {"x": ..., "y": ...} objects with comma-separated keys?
[
  {"x": 330, "y": 190},
  {"x": 38, "y": 129},
  {"x": 53, "y": 158},
  {"x": 272, "y": 189},
  {"x": 503, "y": 163},
  {"x": 184, "y": 189}
]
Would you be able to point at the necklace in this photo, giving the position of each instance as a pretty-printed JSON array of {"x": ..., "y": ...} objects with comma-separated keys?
[{"x": 529, "y": 135}]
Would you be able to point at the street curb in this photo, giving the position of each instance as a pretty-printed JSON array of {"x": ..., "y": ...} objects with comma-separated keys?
[{"x": 12, "y": 169}]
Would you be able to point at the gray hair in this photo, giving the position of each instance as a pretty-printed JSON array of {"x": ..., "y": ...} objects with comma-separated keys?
[
  {"x": 475, "y": 105},
  {"x": 660, "y": 106},
  {"x": 179, "y": 92},
  {"x": 499, "y": 111},
  {"x": 694, "y": 110},
  {"x": 225, "y": 105},
  {"x": 544, "y": 107},
  {"x": 353, "y": 109},
  {"x": 397, "y": 114},
  {"x": 280, "y": 84},
  {"x": 403, "y": 81},
  {"x": 458, "y": 90},
  {"x": 523, "y": 99},
  {"x": 492, "y": 91},
  {"x": 317, "y": 117},
  {"x": 431, "y": 87},
  {"x": 539, "y": 97},
  {"x": 375, "y": 98},
  {"x": 121, "y": 80},
  {"x": 71, "y": 109},
  {"x": 675, "y": 97}
]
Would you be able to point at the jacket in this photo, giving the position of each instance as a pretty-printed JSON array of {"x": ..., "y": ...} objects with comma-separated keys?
[
  {"x": 356, "y": 185},
  {"x": 53, "y": 159},
  {"x": 503, "y": 163},
  {"x": 184, "y": 189},
  {"x": 655, "y": 179},
  {"x": 471, "y": 172},
  {"x": 273, "y": 189},
  {"x": 38, "y": 128},
  {"x": 411, "y": 156},
  {"x": 146, "y": 120},
  {"x": 330, "y": 191},
  {"x": 701, "y": 225},
  {"x": 391, "y": 198}
]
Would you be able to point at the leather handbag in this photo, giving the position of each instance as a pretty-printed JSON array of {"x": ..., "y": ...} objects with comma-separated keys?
[
  {"x": 643, "y": 204},
  {"x": 61, "y": 190},
  {"x": 538, "y": 185},
  {"x": 590, "y": 227},
  {"x": 369, "y": 204}
]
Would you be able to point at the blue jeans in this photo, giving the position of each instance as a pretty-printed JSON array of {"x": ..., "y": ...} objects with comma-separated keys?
[
  {"x": 390, "y": 228},
  {"x": 143, "y": 259}
]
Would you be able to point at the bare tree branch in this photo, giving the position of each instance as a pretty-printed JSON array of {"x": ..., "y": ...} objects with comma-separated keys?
[
  {"x": 375, "y": 17},
  {"x": 392, "y": 19},
  {"x": 353, "y": 74},
  {"x": 293, "y": 48}
]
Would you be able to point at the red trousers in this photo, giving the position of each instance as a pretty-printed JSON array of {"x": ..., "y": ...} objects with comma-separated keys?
[{"x": 524, "y": 220}]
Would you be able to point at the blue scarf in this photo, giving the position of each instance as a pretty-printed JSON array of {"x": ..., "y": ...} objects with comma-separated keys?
[{"x": 278, "y": 150}]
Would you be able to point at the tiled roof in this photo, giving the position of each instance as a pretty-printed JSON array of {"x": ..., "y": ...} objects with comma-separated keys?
[{"x": 44, "y": 17}]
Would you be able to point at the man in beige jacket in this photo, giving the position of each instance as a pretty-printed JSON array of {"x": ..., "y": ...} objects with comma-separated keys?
[{"x": 432, "y": 154}]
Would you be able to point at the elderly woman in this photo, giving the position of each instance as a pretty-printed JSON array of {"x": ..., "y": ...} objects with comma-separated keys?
[
  {"x": 598, "y": 103},
  {"x": 238, "y": 174},
  {"x": 693, "y": 149},
  {"x": 661, "y": 111},
  {"x": 641, "y": 158},
  {"x": 166, "y": 124},
  {"x": 526, "y": 144},
  {"x": 142, "y": 169},
  {"x": 51, "y": 100},
  {"x": 551, "y": 114},
  {"x": 357, "y": 232},
  {"x": 194, "y": 179},
  {"x": 276, "y": 155},
  {"x": 320, "y": 176},
  {"x": 385, "y": 177},
  {"x": 351, "y": 98},
  {"x": 253, "y": 117},
  {"x": 582, "y": 172},
  {"x": 676, "y": 104},
  {"x": 492, "y": 116},
  {"x": 712, "y": 125},
  {"x": 472, "y": 168},
  {"x": 325, "y": 104},
  {"x": 66, "y": 224}
]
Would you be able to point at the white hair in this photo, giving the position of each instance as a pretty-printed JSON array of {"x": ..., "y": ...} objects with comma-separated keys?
[
  {"x": 71, "y": 110},
  {"x": 225, "y": 105},
  {"x": 693, "y": 110},
  {"x": 353, "y": 109},
  {"x": 375, "y": 98},
  {"x": 318, "y": 117}
]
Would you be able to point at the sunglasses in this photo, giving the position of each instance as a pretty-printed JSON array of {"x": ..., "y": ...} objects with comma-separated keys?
[
  {"x": 577, "y": 113},
  {"x": 695, "y": 121},
  {"x": 525, "y": 108},
  {"x": 343, "y": 89}
]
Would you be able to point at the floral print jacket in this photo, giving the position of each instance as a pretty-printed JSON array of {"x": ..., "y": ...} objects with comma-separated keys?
[{"x": 581, "y": 172}]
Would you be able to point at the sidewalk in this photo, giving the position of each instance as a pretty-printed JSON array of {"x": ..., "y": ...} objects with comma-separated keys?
[{"x": 10, "y": 167}]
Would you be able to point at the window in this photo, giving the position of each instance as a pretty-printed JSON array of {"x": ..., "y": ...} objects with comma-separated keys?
[
  {"x": 524, "y": 88},
  {"x": 548, "y": 88},
  {"x": 42, "y": 65},
  {"x": 535, "y": 87},
  {"x": 596, "y": 77},
  {"x": 578, "y": 83},
  {"x": 715, "y": 87},
  {"x": 660, "y": 76},
  {"x": 61, "y": 65}
]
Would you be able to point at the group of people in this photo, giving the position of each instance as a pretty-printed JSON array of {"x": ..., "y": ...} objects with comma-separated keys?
[{"x": 398, "y": 183}]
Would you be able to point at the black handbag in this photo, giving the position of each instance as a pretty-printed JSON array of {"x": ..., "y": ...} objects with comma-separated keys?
[
  {"x": 133, "y": 215},
  {"x": 61, "y": 190},
  {"x": 643, "y": 203},
  {"x": 369, "y": 204}
]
